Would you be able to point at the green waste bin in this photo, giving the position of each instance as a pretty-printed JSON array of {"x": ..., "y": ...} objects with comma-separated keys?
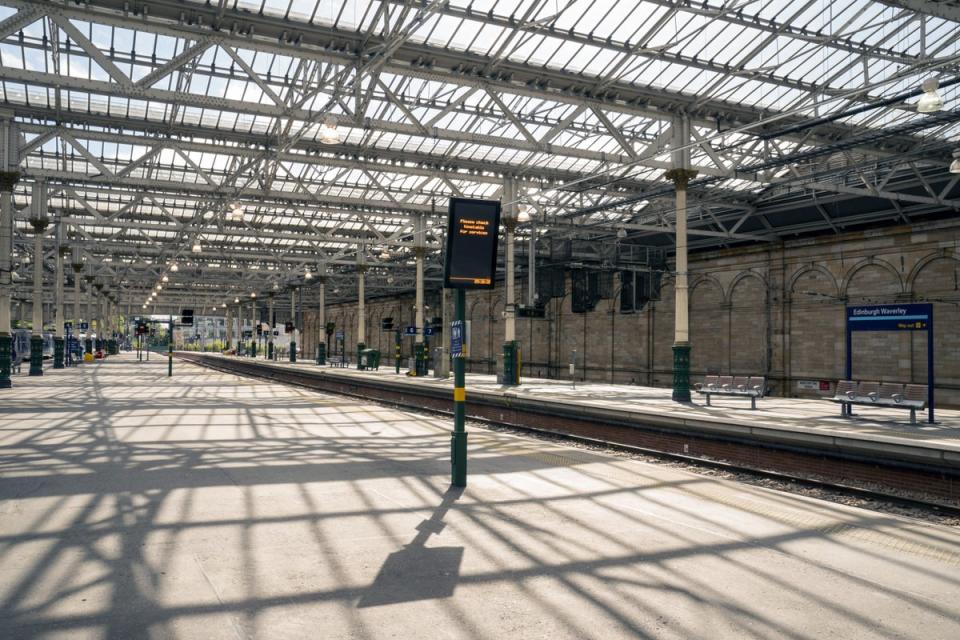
[{"x": 369, "y": 359}]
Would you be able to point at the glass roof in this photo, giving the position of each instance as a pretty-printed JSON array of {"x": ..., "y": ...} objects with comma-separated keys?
[{"x": 150, "y": 130}]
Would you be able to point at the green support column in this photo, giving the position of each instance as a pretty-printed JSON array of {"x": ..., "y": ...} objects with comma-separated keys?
[
  {"x": 293, "y": 319},
  {"x": 322, "y": 353},
  {"x": 6, "y": 344},
  {"x": 170, "y": 348},
  {"x": 36, "y": 355},
  {"x": 39, "y": 221},
  {"x": 420, "y": 358},
  {"x": 360, "y": 347},
  {"x": 511, "y": 372},
  {"x": 681, "y": 373},
  {"x": 9, "y": 176},
  {"x": 396, "y": 360},
  {"x": 58, "y": 353},
  {"x": 458, "y": 440}
]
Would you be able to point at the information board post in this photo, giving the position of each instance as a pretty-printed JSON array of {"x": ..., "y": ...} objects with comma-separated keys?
[
  {"x": 459, "y": 440},
  {"x": 894, "y": 317},
  {"x": 470, "y": 262}
]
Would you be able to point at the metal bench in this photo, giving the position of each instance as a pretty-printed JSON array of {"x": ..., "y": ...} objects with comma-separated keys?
[
  {"x": 912, "y": 397},
  {"x": 338, "y": 361},
  {"x": 752, "y": 387}
]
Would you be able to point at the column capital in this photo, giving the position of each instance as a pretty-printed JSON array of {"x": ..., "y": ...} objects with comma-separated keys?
[
  {"x": 39, "y": 224},
  {"x": 8, "y": 180},
  {"x": 680, "y": 177}
]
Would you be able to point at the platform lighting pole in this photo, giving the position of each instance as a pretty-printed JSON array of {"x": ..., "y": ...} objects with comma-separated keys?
[
  {"x": 511, "y": 376},
  {"x": 293, "y": 321},
  {"x": 9, "y": 175},
  {"x": 322, "y": 319},
  {"x": 39, "y": 221},
  {"x": 59, "y": 318},
  {"x": 458, "y": 442},
  {"x": 681, "y": 175}
]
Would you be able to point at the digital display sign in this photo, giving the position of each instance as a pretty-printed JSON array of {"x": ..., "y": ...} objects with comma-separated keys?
[{"x": 473, "y": 227}]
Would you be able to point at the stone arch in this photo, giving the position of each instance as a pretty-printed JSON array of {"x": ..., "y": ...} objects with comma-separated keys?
[
  {"x": 937, "y": 279},
  {"x": 705, "y": 280},
  {"x": 882, "y": 268},
  {"x": 708, "y": 326},
  {"x": 925, "y": 264},
  {"x": 877, "y": 355},
  {"x": 748, "y": 321},
  {"x": 815, "y": 270},
  {"x": 662, "y": 314}
]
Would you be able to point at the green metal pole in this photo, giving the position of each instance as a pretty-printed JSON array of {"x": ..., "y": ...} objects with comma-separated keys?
[
  {"x": 170, "y": 349},
  {"x": 458, "y": 441}
]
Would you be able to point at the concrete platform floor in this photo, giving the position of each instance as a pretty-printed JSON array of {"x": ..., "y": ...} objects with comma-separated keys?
[
  {"x": 812, "y": 416},
  {"x": 213, "y": 506}
]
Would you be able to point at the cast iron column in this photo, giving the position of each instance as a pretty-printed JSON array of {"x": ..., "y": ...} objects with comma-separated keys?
[
  {"x": 76, "y": 263},
  {"x": 270, "y": 297},
  {"x": 419, "y": 356},
  {"x": 293, "y": 321},
  {"x": 88, "y": 341},
  {"x": 511, "y": 375},
  {"x": 228, "y": 322},
  {"x": 680, "y": 176},
  {"x": 59, "y": 318},
  {"x": 39, "y": 222},
  {"x": 361, "y": 311},
  {"x": 8, "y": 179},
  {"x": 322, "y": 323},
  {"x": 253, "y": 325}
]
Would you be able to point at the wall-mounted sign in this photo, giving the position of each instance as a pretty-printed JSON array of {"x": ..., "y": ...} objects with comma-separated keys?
[
  {"x": 890, "y": 317},
  {"x": 410, "y": 331},
  {"x": 473, "y": 227}
]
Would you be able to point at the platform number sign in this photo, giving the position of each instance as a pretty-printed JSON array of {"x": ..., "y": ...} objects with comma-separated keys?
[
  {"x": 410, "y": 330},
  {"x": 473, "y": 227},
  {"x": 84, "y": 326}
]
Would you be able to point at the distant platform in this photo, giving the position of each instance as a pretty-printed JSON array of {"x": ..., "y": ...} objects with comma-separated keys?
[{"x": 210, "y": 505}]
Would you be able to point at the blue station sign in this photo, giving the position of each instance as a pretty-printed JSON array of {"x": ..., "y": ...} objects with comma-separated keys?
[
  {"x": 410, "y": 331},
  {"x": 890, "y": 317},
  {"x": 457, "y": 331}
]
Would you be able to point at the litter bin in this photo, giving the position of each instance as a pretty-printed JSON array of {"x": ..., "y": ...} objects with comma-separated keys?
[{"x": 369, "y": 359}]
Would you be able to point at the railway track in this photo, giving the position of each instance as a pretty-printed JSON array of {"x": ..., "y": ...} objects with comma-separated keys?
[{"x": 874, "y": 483}]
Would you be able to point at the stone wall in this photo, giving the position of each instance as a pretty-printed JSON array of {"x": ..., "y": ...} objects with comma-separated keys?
[{"x": 773, "y": 309}]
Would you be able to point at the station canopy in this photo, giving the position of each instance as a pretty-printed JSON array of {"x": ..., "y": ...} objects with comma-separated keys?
[{"x": 242, "y": 147}]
